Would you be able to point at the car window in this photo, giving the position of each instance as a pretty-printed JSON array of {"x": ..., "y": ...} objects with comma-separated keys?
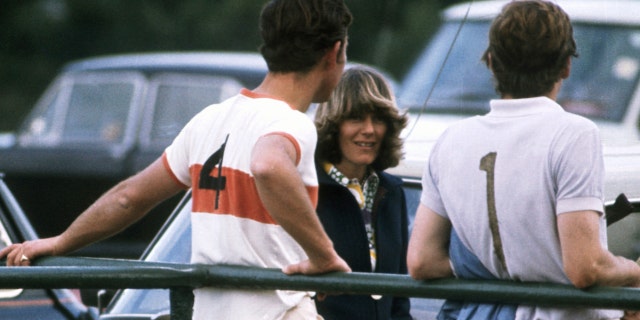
[
  {"x": 91, "y": 107},
  {"x": 604, "y": 75},
  {"x": 600, "y": 86},
  {"x": 173, "y": 246},
  {"x": 463, "y": 85},
  {"x": 175, "y": 99}
]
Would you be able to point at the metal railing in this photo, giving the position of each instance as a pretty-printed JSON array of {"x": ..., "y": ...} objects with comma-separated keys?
[{"x": 66, "y": 272}]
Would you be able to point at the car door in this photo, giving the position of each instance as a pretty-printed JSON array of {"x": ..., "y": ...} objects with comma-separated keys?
[{"x": 53, "y": 304}]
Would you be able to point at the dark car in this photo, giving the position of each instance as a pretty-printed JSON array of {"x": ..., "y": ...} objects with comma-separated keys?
[
  {"x": 104, "y": 119},
  {"x": 50, "y": 304}
]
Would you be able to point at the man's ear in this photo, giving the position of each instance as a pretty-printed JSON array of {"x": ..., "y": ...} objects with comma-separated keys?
[
  {"x": 334, "y": 55},
  {"x": 567, "y": 69},
  {"x": 489, "y": 62},
  {"x": 341, "y": 51}
]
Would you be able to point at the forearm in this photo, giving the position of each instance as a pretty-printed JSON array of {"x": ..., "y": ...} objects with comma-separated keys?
[
  {"x": 616, "y": 271},
  {"x": 287, "y": 201},
  {"x": 428, "y": 253},
  {"x": 110, "y": 214},
  {"x": 286, "y": 198},
  {"x": 425, "y": 267},
  {"x": 586, "y": 261},
  {"x": 118, "y": 208}
]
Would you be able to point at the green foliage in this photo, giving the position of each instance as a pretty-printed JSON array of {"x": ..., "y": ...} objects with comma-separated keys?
[{"x": 38, "y": 36}]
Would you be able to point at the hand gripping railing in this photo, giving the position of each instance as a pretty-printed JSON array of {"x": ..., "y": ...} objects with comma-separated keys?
[{"x": 58, "y": 272}]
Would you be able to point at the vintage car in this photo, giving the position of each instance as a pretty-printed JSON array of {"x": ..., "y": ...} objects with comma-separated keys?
[
  {"x": 449, "y": 82},
  {"x": 103, "y": 119}
]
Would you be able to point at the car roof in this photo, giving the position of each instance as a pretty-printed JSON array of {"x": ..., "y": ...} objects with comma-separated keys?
[
  {"x": 621, "y": 12},
  {"x": 178, "y": 61}
]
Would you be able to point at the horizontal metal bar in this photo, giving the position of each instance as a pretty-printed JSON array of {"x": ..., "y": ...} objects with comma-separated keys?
[{"x": 56, "y": 272}]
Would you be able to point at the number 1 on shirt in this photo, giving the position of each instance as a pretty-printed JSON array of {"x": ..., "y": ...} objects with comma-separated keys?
[{"x": 488, "y": 164}]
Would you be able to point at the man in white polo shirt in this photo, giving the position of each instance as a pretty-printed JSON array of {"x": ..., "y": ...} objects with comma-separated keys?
[{"x": 518, "y": 193}]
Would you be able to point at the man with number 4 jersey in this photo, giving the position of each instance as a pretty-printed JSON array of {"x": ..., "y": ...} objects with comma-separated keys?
[
  {"x": 249, "y": 162},
  {"x": 517, "y": 194}
]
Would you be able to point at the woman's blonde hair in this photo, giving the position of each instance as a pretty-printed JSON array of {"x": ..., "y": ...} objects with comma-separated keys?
[{"x": 361, "y": 91}]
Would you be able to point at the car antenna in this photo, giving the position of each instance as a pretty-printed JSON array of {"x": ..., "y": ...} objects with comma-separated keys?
[{"x": 424, "y": 105}]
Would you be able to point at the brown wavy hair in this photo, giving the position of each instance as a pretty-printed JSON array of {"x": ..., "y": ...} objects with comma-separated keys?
[
  {"x": 530, "y": 44},
  {"x": 361, "y": 91}
]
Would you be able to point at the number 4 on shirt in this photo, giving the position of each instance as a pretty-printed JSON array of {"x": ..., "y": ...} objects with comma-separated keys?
[{"x": 207, "y": 178}]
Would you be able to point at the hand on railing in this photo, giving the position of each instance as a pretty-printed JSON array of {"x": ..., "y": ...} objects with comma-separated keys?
[{"x": 22, "y": 254}]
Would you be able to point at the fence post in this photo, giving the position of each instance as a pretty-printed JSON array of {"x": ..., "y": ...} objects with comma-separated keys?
[{"x": 181, "y": 300}]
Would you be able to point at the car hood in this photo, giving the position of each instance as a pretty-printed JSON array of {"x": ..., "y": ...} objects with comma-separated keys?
[{"x": 419, "y": 136}]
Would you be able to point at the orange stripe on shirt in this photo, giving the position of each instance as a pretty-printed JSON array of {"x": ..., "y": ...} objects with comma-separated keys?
[
  {"x": 239, "y": 197},
  {"x": 254, "y": 95},
  {"x": 165, "y": 162}
]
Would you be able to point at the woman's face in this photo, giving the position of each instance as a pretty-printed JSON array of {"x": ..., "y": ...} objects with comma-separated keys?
[{"x": 359, "y": 141}]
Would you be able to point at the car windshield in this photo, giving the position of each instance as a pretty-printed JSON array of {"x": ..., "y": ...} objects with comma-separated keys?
[
  {"x": 177, "y": 98},
  {"x": 600, "y": 86},
  {"x": 83, "y": 108}
]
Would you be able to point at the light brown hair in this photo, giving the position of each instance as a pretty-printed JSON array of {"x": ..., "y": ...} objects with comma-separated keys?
[
  {"x": 361, "y": 91},
  {"x": 530, "y": 44}
]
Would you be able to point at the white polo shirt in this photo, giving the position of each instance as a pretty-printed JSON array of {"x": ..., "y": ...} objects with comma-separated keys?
[{"x": 525, "y": 162}]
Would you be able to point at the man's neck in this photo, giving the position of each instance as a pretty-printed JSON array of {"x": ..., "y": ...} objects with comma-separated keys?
[{"x": 295, "y": 89}]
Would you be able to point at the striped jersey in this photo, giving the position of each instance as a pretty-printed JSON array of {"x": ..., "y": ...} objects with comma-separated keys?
[{"x": 211, "y": 155}]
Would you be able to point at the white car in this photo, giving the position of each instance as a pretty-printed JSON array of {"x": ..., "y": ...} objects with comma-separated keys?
[{"x": 449, "y": 82}]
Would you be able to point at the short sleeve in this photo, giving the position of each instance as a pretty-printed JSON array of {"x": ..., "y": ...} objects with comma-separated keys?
[
  {"x": 580, "y": 171},
  {"x": 430, "y": 193},
  {"x": 177, "y": 154}
]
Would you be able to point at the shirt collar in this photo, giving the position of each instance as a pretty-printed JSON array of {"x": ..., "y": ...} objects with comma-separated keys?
[
  {"x": 340, "y": 178},
  {"x": 522, "y": 107}
]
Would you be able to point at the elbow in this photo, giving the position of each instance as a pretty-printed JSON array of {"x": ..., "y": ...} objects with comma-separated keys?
[
  {"x": 262, "y": 170},
  {"x": 415, "y": 272},
  {"x": 419, "y": 269},
  {"x": 129, "y": 199},
  {"x": 414, "y": 267},
  {"x": 419, "y": 273},
  {"x": 582, "y": 277}
]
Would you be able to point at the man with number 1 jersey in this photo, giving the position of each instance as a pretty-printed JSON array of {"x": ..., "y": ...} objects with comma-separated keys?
[{"x": 517, "y": 194}]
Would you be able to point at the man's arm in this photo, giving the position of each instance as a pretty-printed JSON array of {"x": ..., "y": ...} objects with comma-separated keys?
[
  {"x": 585, "y": 261},
  {"x": 117, "y": 209},
  {"x": 285, "y": 197},
  {"x": 428, "y": 253}
]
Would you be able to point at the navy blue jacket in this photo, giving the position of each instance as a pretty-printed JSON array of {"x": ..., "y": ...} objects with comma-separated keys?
[{"x": 342, "y": 219}]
